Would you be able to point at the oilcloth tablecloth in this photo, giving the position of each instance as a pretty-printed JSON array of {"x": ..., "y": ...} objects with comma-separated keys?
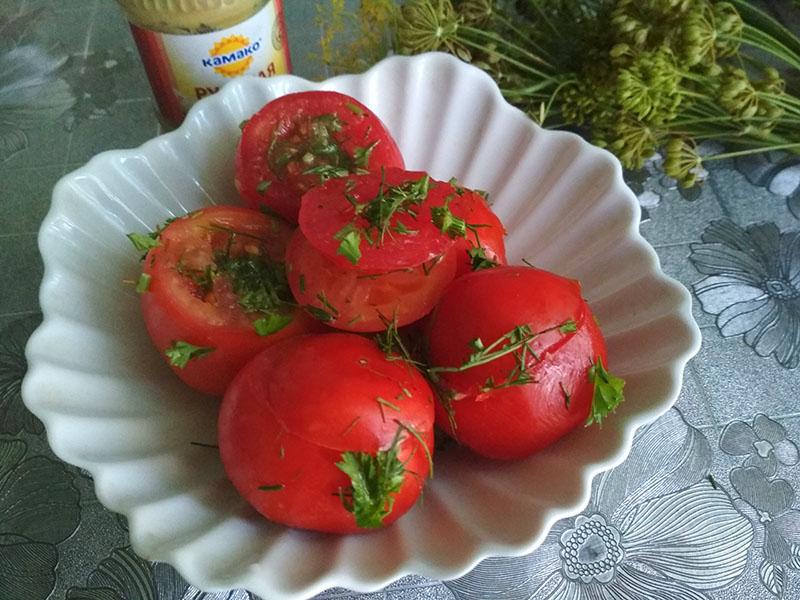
[{"x": 705, "y": 506}]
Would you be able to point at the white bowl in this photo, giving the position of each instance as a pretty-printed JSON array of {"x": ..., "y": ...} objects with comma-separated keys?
[{"x": 112, "y": 407}]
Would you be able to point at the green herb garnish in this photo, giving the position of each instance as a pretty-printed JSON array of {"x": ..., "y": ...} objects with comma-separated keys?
[
  {"x": 374, "y": 480},
  {"x": 271, "y": 488},
  {"x": 263, "y": 186},
  {"x": 272, "y": 323},
  {"x": 447, "y": 222},
  {"x": 516, "y": 343},
  {"x": 143, "y": 283},
  {"x": 180, "y": 353},
  {"x": 479, "y": 260},
  {"x": 355, "y": 109},
  {"x": 349, "y": 243},
  {"x": 607, "y": 392}
]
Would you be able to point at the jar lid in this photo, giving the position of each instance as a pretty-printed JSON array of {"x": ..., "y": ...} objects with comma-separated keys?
[{"x": 189, "y": 16}]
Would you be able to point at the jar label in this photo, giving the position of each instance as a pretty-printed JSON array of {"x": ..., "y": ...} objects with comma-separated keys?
[{"x": 185, "y": 68}]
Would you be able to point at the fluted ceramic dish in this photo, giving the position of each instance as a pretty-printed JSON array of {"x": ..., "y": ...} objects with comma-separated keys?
[{"x": 111, "y": 406}]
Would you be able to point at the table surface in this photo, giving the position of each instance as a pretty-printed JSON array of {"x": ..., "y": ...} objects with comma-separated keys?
[{"x": 704, "y": 507}]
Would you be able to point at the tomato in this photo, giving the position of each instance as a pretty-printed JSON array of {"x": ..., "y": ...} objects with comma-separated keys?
[
  {"x": 387, "y": 217},
  {"x": 215, "y": 280},
  {"x": 355, "y": 301},
  {"x": 511, "y": 350},
  {"x": 483, "y": 244},
  {"x": 309, "y": 403},
  {"x": 299, "y": 140}
]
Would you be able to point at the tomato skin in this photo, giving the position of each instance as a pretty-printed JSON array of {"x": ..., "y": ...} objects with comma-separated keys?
[
  {"x": 270, "y": 433},
  {"x": 514, "y": 421},
  {"x": 484, "y": 230},
  {"x": 327, "y": 209},
  {"x": 359, "y": 299},
  {"x": 292, "y": 114},
  {"x": 173, "y": 309}
]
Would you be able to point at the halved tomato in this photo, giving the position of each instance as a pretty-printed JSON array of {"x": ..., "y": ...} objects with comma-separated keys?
[
  {"x": 354, "y": 300},
  {"x": 300, "y": 140},
  {"x": 214, "y": 293}
]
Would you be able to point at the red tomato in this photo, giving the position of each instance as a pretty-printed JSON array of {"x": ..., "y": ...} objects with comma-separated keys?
[
  {"x": 355, "y": 301},
  {"x": 531, "y": 340},
  {"x": 484, "y": 242},
  {"x": 216, "y": 276},
  {"x": 299, "y": 140},
  {"x": 281, "y": 449},
  {"x": 388, "y": 213}
]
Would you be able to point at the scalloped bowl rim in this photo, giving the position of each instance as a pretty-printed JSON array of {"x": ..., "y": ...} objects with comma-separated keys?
[{"x": 334, "y": 578}]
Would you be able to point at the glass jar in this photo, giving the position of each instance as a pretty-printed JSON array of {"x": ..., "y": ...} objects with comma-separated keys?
[{"x": 191, "y": 48}]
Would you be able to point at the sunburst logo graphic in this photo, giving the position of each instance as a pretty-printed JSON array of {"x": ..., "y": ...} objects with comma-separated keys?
[{"x": 232, "y": 55}]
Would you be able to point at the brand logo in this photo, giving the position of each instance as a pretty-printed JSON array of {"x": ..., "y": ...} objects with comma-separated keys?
[{"x": 232, "y": 55}]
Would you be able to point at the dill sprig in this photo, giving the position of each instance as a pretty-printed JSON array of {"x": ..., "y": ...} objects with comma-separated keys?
[{"x": 634, "y": 76}]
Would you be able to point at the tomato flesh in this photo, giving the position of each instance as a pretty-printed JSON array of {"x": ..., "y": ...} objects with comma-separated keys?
[
  {"x": 296, "y": 407},
  {"x": 191, "y": 296},
  {"x": 300, "y": 140},
  {"x": 499, "y": 409},
  {"x": 355, "y": 301}
]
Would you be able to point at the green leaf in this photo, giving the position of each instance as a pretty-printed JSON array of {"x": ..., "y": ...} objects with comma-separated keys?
[
  {"x": 361, "y": 155},
  {"x": 272, "y": 323},
  {"x": 568, "y": 327},
  {"x": 143, "y": 242},
  {"x": 355, "y": 109},
  {"x": 607, "y": 392},
  {"x": 180, "y": 353},
  {"x": 143, "y": 284},
  {"x": 479, "y": 260},
  {"x": 349, "y": 243},
  {"x": 263, "y": 186},
  {"x": 374, "y": 479},
  {"x": 447, "y": 222}
]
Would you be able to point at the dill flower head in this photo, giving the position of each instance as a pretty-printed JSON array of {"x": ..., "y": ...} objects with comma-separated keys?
[
  {"x": 647, "y": 23},
  {"x": 682, "y": 162},
  {"x": 650, "y": 87},
  {"x": 744, "y": 99},
  {"x": 633, "y": 142},
  {"x": 728, "y": 25},
  {"x": 476, "y": 12},
  {"x": 425, "y": 26},
  {"x": 698, "y": 37}
]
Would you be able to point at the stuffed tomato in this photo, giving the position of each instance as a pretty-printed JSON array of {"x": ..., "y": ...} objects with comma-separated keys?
[
  {"x": 214, "y": 292},
  {"x": 382, "y": 246},
  {"x": 518, "y": 361},
  {"x": 353, "y": 459},
  {"x": 300, "y": 140}
]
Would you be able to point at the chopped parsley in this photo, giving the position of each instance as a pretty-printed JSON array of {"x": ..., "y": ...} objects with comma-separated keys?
[
  {"x": 144, "y": 242},
  {"x": 143, "y": 283},
  {"x": 479, "y": 260},
  {"x": 447, "y": 222},
  {"x": 272, "y": 323},
  {"x": 349, "y": 243},
  {"x": 374, "y": 480},
  {"x": 180, "y": 353},
  {"x": 607, "y": 392}
]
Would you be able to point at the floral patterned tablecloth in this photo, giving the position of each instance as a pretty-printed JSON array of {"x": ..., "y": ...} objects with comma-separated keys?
[{"x": 706, "y": 505}]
